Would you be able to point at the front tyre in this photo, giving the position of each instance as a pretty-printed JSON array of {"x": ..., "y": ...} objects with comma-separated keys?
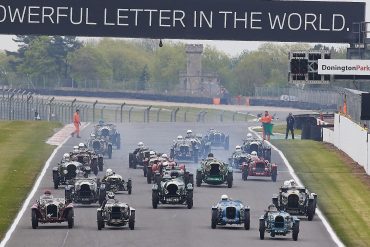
[
  {"x": 70, "y": 218},
  {"x": 214, "y": 219},
  {"x": 34, "y": 219},
  {"x": 247, "y": 219},
  {"x": 100, "y": 220}
]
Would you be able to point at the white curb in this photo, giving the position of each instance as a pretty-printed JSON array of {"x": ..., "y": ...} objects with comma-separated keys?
[{"x": 327, "y": 226}]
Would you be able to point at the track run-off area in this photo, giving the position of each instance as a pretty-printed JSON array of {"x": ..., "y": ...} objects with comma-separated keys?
[{"x": 167, "y": 225}]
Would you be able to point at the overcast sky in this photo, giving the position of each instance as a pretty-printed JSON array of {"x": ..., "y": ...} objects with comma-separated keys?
[{"x": 232, "y": 48}]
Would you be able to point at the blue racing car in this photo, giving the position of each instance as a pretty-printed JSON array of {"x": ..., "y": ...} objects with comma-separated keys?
[{"x": 229, "y": 212}]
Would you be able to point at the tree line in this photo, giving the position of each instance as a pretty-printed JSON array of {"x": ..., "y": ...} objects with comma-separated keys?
[{"x": 139, "y": 64}]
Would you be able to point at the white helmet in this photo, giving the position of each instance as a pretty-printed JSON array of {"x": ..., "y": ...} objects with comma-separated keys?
[
  {"x": 180, "y": 138},
  {"x": 164, "y": 156},
  {"x": 224, "y": 198},
  {"x": 249, "y": 136},
  {"x": 238, "y": 148},
  {"x": 165, "y": 164},
  {"x": 92, "y": 135},
  {"x": 151, "y": 153},
  {"x": 75, "y": 148},
  {"x": 292, "y": 182},
  {"x": 66, "y": 156},
  {"x": 81, "y": 145},
  {"x": 140, "y": 144},
  {"x": 109, "y": 172},
  {"x": 254, "y": 153},
  {"x": 286, "y": 183}
]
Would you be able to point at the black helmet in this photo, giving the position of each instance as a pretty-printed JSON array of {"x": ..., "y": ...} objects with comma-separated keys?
[{"x": 210, "y": 155}]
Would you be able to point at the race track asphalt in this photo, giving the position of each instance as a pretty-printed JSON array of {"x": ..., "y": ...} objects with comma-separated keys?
[{"x": 168, "y": 226}]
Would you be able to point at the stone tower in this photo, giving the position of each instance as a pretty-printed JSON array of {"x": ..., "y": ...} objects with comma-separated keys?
[{"x": 193, "y": 67}]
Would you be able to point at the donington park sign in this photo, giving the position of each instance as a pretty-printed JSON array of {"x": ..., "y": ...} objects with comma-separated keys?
[{"x": 185, "y": 19}]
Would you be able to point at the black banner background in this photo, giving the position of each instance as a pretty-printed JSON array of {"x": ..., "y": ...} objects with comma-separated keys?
[{"x": 100, "y": 18}]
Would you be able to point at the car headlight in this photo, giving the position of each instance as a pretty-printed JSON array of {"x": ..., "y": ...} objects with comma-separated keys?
[
  {"x": 165, "y": 191},
  {"x": 284, "y": 200},
  {"x": 65, "y": 172},
  {"x": 302, "y": 198}
]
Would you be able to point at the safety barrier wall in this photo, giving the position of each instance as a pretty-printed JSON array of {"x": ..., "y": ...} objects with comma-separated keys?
[{"x": 351, "y": 138}]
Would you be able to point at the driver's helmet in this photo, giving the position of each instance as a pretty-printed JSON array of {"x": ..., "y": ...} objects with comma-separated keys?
[
  {"x": 164, "y": 156},
  {"x": 210, "y": 155},
  {"x": 292, "y": 183},
  {"x": 180, "y": 138},
  {"x": 254, "y": 154},
  {"x": 286, "y": 183},
  {"x": 249, "y": 136},
  {"x": 238, "y": 148},
  {"x": 224, "y": 198},
  {"x": 272, "y": 208},
  {"x": 81, "y": 145},
  {"x": 75, "y": 148},
  {"x": 109, "y": 172},
  {"x": 110, "y": 195},
  {"x": 47, "y": 195},
  {"x": 152, "y": 153},
  {"x": 165, "y": 164},
  {"x": 66, "y": 157},
  {"x": 101, "y": 122},
  {"x": 92, "y": 135},
  {"x": 140, "y": 145},
  {"x": 189, "y": 133}
]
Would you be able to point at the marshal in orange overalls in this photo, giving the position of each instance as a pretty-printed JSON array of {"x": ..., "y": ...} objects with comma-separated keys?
[
  {"x": 266, "y": 119},
  {"x": 77, "y": 123}
]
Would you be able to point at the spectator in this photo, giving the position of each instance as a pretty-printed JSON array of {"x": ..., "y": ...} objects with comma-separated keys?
[
  {"x": 77, "y": 123},
  {"x": 289, "y": 125},
  {"x": 267, "y": 126}
]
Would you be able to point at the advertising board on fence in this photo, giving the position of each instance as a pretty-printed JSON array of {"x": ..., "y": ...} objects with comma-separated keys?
[
  {"x": 343, "y": 67},
  {"x": 252, "y": 20}
]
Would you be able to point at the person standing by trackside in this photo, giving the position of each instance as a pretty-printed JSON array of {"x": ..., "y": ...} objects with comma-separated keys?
[
  {"x": 77, "y": 123},
  {"x": 266, "y": 125},
  {"x": 289, "y": 125}
]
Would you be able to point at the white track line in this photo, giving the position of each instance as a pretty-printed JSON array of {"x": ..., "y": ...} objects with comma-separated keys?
[
  {"x": 31, "y": 194},
  {"x": 326, "y": 224}
]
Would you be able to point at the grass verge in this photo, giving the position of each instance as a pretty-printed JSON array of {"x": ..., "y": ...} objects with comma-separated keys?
[
  {"x": 342, "y": 187},
  {"x": 23, "y": 153}
]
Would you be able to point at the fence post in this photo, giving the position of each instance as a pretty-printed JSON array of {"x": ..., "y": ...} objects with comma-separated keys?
[
  {"x": 10, "y": 106},
  {"x": 185, "y": 116},
  {"x": 222, "y": 116},
  {"x": 203, "y": 115},
  {"x": 29, "y": 97},
  {"x": 94, "y": 110},
  {"x": 158, "y": 112},
  {"x": 175, "y": 113},
  {"x": 234, "y": 114},
  {"x": 102, "y": 113},
  {"x": 199, "y": 114},
  {"x": 148, "y": 113},
  {"x": 122, "y": 109},
  {"x": 49, "y": 115},
  {"x": 129, "y": 114}
]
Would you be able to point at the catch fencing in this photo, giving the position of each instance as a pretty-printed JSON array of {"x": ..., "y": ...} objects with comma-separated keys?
[{"x": 17, "y": 104}]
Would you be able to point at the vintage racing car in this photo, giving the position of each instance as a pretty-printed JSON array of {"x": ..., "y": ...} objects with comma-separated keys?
[
  {"x": 278, "y": 222},
  {"x": 115, "y": 213},
  {"x": 100, "y": 145},
  {"x": 51, "y": 210},
  {"x": 109, "y": 132},
  {"x": 296, "y": 200},
  {"x": 229, "y": 212},
  {"x": 259, "y": 167},
  {"x": 215, "y": 172},
  {"x": 115, "y": 183},
  {"x": 184, "y": 150},
  {"x": 217, "y": 139}
]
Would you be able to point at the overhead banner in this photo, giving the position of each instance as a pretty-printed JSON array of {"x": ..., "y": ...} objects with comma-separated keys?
[
  {"x": 185, "y": 19},
  {"x": 343, "y": 67}
]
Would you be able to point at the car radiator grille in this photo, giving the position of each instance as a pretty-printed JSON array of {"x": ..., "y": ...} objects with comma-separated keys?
[
  {"x": 279, "y": 221},
  {"x": 215, "y": 170},
  {"x": 116, "y": 213},
  {"x": 260, "y": 167},
  {"x": 52, "y": 210},
  {"x": 71, "y": 171},
  {"x": 85, "y": 191},
  {"x": 230, "y": 212},
  {"x": 172, "y": 189},
  {"x": 293, "y": 201}
]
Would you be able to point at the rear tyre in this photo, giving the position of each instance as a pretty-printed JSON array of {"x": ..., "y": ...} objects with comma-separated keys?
[
  {"x": 130, "y": 160},
  {"x": 110, "y": 151},
  {"x": 245, "y": 174},
  {"x": 131, "y": 222},
  {"x": 34, "y": 219},
  {"x": 189, "y": 199},
  {"x": 129, "y": 187},
  {"x": 70, "y": 218},
  {"x": 274, "y": 176},
  {"x": 149, "y": 175},
  {"x": 102, "y": 195}
]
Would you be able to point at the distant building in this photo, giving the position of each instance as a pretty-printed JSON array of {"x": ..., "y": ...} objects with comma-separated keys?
[{"x": 194, "y": 81}]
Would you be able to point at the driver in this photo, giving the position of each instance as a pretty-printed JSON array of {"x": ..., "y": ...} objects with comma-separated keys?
[
  {"x": 66, "y": 157},
  {"x": 210, "y": 156},
  {"x": 47, "y": 195},
  {"x": 189, "y": 134},
  {"x": 140, "y": 146},
  {"x": 238, "y": 150},
  {"x": 249, "y": 137},
  {"x": 81, "y": 146},
  {"x": 75, "y": 149},
  {"x": 110, "y": 198},
  {"x": 224, "y": 197},
  {"x": 271, "y": 208}
]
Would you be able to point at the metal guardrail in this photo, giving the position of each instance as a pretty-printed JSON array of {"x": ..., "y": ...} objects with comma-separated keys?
[{"x": 22, "y": 105}]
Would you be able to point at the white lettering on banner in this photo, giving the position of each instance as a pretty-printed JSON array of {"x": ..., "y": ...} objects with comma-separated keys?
[
  {"x": 343, "y": 67},
  {"x": 173, "y": 18}
]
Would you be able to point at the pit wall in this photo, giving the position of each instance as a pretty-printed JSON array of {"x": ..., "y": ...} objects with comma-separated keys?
[{"x": 351, "y": 138}]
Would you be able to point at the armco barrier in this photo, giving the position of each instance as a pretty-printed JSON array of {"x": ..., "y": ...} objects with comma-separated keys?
[{"x": 351, "y": 138}]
